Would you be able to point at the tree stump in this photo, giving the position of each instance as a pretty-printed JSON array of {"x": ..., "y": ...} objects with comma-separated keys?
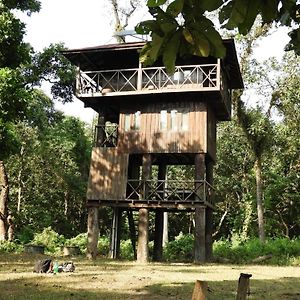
[
  {"x": 243, "y": 286},
  {"x": 200, "y": 290}
]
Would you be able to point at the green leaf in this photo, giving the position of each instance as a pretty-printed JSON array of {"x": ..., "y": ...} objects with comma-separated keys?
[
  {"x": 269, "y": 10},
  {"x": 188, "y": 36},
  {"x": 155, "y": 3},
  {"x": 148, "y": 26},
  {"x": 202, "y": 46},
  {"x": 156, "y": 44},
  {"x": 175, "y": 8},
  {"x": 170, "y": 51},
  {"x": 225, "y": 12},
  {"x": 210, "y": 5}
]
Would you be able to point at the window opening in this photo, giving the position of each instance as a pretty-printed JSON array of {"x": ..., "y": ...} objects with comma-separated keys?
[
  {"x": 127, "y": 124},
  {"x": 174, "y": 123},
  {"x": 137, "y": 121},
  {"x": 163, "y": 120}
]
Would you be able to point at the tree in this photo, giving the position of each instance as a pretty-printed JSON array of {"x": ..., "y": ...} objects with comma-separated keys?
[
  {"x": 122, "y": 12},
  {"x": 183, "y": 27},
  {"x": 13, "y": 94}
]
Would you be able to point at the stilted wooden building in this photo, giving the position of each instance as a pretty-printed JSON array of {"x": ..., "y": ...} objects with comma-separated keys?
[{"x": 150, "y": 118}]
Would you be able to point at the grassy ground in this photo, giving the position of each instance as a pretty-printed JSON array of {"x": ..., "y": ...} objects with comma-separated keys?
[{"x": 105, "y": 279}]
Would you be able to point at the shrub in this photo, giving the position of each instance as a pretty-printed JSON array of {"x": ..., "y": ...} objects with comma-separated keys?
[
  {"x": 50, "y": 239},
  {"x": 181, "y": 249},
  {"x": 103, "y": 245},
  {"x": 283, "y": 251},
  {"x": 126, "y": 251},
  {"x": 7, "y": 247},
  {"x": 80, "y": 241}
]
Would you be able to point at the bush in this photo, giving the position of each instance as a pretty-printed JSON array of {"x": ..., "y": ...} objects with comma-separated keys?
[
  {"x": 50, "y": 239},
  {"x": 181, "y": 249},
  {"x": 103, "y": 245},
  {"x": 7, "y": 247},
  {"x": 283, "y": 251},
  {"x": 126, "y": 251},
  {"x": 79, "y": 241}
]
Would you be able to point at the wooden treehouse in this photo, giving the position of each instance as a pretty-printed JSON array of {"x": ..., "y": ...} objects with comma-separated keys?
[{"x": 149, "y": 120}]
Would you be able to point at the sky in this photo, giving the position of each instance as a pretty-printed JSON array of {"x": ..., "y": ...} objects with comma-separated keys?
[{"x": 85, "y": 23}]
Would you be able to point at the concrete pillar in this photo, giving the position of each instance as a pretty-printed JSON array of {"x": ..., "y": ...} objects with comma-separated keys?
[{"x": 143, "y": 225}]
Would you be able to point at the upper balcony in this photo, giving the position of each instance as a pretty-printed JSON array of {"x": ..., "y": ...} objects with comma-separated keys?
[{"x": 110, "y": 71}]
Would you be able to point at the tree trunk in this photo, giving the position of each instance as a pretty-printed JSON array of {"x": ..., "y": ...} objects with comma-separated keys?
[
  {"x": 3, "y": 201},
  {"x": 20, "y": 181},
  {"x": 259, "y": 200}
]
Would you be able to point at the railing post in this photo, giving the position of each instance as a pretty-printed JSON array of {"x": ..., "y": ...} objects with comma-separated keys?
[
  {"x": 218, "y": 74},
  {"x": 139, "y": 77},
  {"x": 78, "y": 85}
]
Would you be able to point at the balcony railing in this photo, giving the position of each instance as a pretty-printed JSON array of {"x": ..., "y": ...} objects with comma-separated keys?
[
  {"x": 188, "y": 77},
  {"x": 169, "y": 190},
  {"x": 106, "y": 135}
]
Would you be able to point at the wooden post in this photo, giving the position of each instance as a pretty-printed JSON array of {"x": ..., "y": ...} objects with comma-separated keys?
[
  {"x": 139, "y": 77},
  {"x": 114, "y": 251},
  {"x": 200, "y": 212},
  {"x": 93, "y": 232},
  {"x": 99, "y": 138},
  {"x": 200, "y": 253},
  {"x": 243, "y": 286},
  {"x": 132, "y": 231},
  {"x": 143, "y": 226},
  {"x": 209, "y": 213},
  {"x": 158, "y": 238},
  {"x": 200, "y": 290},
  {"x": 159, "y": 217}
]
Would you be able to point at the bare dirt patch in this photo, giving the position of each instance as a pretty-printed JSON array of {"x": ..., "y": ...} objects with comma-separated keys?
[{"x": 105, "y": 279}]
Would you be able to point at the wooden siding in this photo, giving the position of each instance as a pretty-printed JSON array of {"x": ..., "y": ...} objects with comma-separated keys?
[
  {"x": 108, "y": 174},
  {"x": 151, "y": 139}
]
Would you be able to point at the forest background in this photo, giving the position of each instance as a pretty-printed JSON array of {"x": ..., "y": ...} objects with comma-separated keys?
[{"x": 45, "y": 154}]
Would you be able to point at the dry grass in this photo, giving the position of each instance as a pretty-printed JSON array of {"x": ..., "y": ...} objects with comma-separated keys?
[{"x": 105, "y": 279}]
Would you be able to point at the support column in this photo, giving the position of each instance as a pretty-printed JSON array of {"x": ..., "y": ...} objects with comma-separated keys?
[
  {"x": 132, "y": 231},
  {"x": 209, "y": 213},
  {"x": 159, "y": 216},
  {"x": 99, "y": 133},
  {"x": 158, "y": 238},
  {"x": 93, "y": 232},
  {"x": 200, "y": 212},
  {"x": 114, "y": 251},
  {"x": 143, "y": 226},
  {"x": 200, "y": 221}
]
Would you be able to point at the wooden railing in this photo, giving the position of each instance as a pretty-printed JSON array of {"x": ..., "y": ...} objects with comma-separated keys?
[
  {"x": 106, "y": 135},
  {"x": 169, "y": 190},
  {"x": 190, "y": 77}
]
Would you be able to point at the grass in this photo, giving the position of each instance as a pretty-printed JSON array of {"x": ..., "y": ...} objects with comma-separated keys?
[{"x": 106, "y": 279}]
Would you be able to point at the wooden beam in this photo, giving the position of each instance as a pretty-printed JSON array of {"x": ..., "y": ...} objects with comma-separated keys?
[{"x": 93, "y": 232}]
